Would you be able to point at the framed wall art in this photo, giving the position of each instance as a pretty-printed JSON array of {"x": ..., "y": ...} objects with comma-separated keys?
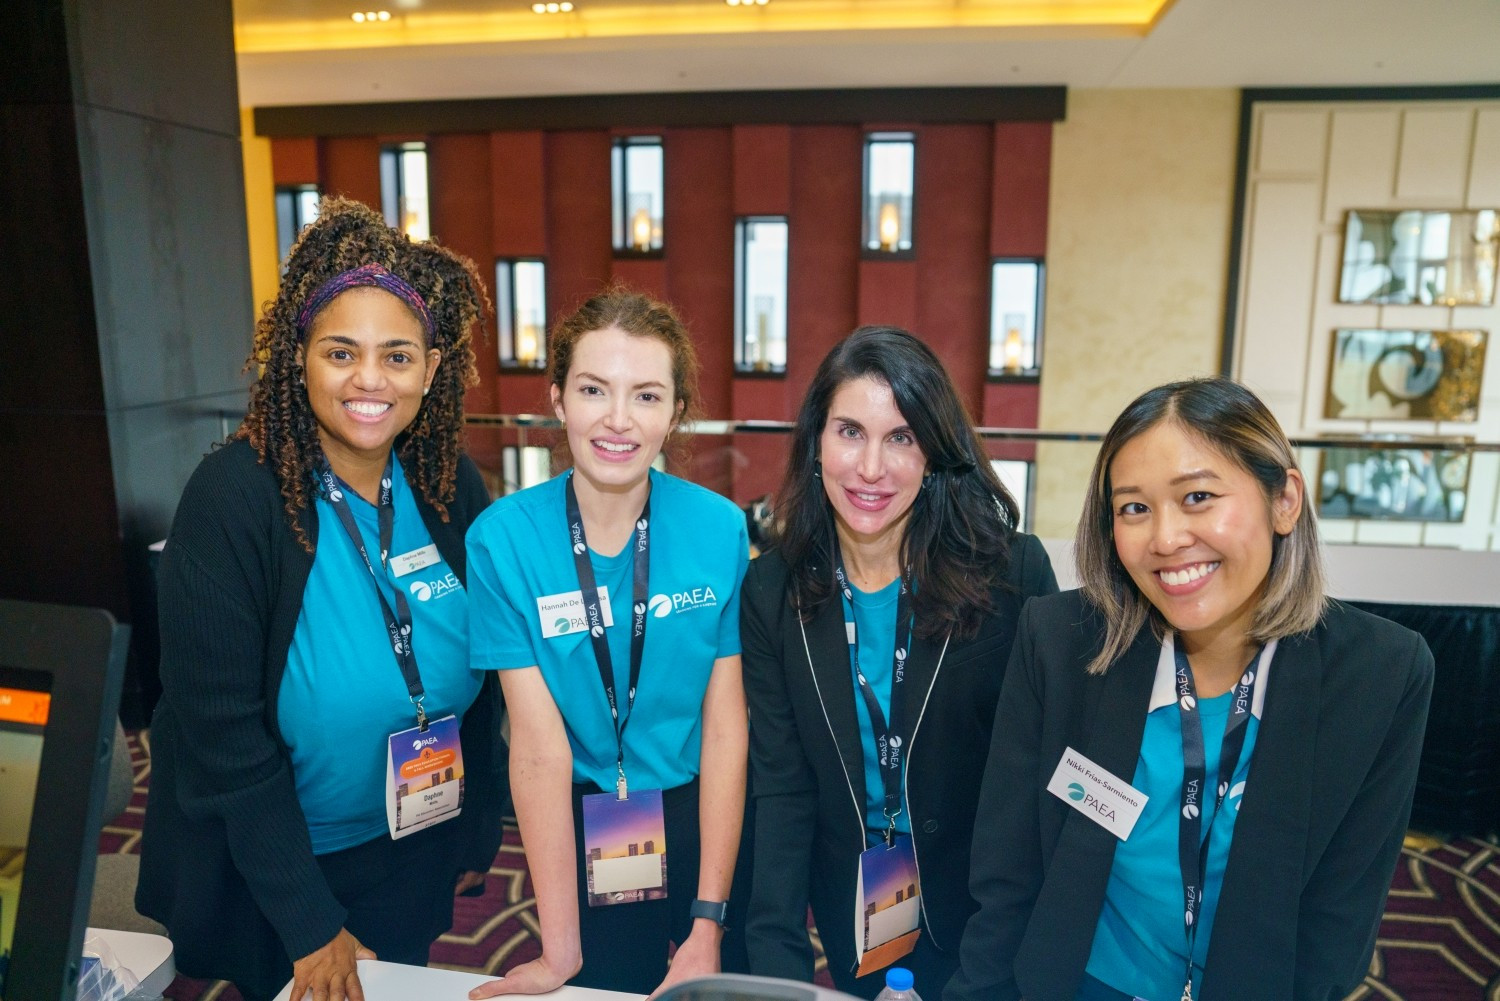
[
  {"x": 1396, "y": 484},
  {"x": 1431, "y": 257},
  {"x": 1430, "y": 375}
]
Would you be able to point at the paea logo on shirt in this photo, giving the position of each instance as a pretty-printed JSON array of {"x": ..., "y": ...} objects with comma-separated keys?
[
  {"x": 663, "y": 605},
  {"x": 431, "y": 590}
]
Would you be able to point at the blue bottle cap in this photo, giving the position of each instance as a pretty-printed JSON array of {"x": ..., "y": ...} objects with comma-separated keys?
[{"x": 898, "y": 979}]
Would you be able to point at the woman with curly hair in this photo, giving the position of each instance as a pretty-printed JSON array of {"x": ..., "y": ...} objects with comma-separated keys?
[{"x": 319, "y": 722}]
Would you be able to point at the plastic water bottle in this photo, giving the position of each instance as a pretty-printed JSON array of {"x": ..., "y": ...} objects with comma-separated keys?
[{"x": 898, "y": 986}]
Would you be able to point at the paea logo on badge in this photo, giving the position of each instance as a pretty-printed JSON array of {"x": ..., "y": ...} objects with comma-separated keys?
[
  {"x": 1075, "y": 792},
  {"x": 562, "y": 624},
  {"x": 421, "y": 742}
]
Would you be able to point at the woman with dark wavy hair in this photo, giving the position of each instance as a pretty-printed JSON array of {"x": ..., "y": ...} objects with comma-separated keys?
[
  {"x": 875, "y": 634},
  {"x": 314, "y": 632}
]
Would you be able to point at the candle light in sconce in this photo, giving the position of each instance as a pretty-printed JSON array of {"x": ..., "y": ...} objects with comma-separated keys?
[
  {"x": 528, "y": 339},
  {"x": 1014, "y": 346},
  {"x": 762, "y": 359},
  {"x": 640, "y": 230},
  {"x": 889, "y": 227}
]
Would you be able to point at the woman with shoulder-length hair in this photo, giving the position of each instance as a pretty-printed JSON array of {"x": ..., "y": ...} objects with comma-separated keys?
[
  {"x": 1202, "y": 767},
  {"x": 875, "y": 633},
  {"x": 314, "y": 626}
]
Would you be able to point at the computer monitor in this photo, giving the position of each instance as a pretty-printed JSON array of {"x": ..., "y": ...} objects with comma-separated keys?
[{"x": 60, "y": 675}]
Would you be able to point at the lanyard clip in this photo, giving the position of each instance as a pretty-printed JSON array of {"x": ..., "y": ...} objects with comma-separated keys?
[
  {"x": 621, "y": 791},
  {"x": 421, "y": 714},
  {"x": 890, "y": 829},
  {"x": 1187, "y": 991}
]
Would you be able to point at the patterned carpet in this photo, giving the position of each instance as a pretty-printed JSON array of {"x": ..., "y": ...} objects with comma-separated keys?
[{"x": 1439, "y": 941}]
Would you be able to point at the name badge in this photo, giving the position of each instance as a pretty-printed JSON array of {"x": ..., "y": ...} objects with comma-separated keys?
[
  {"x": 1097, "y": 793},
  {"x": 887, "y": 905},
  {"x": 417, "y": 559},
  {"x": 625, "y": 847},
  {"x": 564, "y": 614},
  {"x": 424, "y": 777}
]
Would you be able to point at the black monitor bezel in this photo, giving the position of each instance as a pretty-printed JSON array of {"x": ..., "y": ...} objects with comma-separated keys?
[{"x": 83, "y": 652}]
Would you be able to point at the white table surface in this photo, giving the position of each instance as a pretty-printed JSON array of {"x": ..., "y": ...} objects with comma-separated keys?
[
  {"x": 398, "y": 982},
  {"x": 149, "y": 957}
]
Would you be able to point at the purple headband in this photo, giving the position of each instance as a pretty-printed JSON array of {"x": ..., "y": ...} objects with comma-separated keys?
[{"x": 365, "y": 276}]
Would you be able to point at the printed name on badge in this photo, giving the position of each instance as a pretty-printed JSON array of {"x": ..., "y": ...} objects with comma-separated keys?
[
  {"x": 417, "y": 559},
  {"x": 1097, "y": 793},
  {"x": 564, "y": 614}
]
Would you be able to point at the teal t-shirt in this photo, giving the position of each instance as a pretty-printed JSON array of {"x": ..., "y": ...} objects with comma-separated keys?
[
  {"x": 875, "y": 630},
  {"x": 343, "y": 694},
  {"x": 519, "y": 553},
  {"x": 1140, "y": 945}
]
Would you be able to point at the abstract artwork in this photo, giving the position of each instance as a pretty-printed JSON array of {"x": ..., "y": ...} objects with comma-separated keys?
[
  {"x": 1432, "y": 375},
  {"x": 1396, "y": 484},
  {"x": 1431, "y": 257}
]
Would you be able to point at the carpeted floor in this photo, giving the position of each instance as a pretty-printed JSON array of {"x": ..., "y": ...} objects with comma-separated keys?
[{"x": 1439, "y": 941}]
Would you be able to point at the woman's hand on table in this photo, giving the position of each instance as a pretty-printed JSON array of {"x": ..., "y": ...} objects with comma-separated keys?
[
  {"x": 329, "y": 973},
  {"x": 697, "y": 957},
  {"x": 536, "y": 977}
]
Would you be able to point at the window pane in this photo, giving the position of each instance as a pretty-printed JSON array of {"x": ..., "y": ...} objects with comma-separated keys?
[
  {"x": 521, "y": 311},
  {"x": 638, "y": 193},
  {"x": 1015, "y": 476},
  {"x": 524, "y": 466},
  {"x": 1014, "y": 298},
  {"x": 890, "y": 181},
  {"x": 761, "y": 295},
  {"x": 296, "y": 206},
  {"x": 403, "y": 189}
]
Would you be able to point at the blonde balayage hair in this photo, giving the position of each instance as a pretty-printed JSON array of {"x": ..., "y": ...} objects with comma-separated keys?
[{"x": 1235, "y": 423}]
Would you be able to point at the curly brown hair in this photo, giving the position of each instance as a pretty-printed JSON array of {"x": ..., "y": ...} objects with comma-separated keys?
[
  {"x": 638, "y": 315},
  {"x": 280, "y": 424}
]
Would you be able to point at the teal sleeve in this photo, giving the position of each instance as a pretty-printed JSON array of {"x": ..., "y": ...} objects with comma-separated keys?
[{"x": 499, "y": 637}]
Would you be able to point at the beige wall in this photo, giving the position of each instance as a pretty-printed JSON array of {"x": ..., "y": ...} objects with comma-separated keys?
[{"x": 1137, "y": 257}]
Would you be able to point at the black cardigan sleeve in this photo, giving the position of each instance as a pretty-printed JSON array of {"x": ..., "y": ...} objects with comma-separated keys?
[
  {"x": 217, "y": 598},
  {"x": 784, "y": 786}
]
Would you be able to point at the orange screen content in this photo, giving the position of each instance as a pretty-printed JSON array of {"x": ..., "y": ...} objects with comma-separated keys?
[{"x": 17, "y": 705}]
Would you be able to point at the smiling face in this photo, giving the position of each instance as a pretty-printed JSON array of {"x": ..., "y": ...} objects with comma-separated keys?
[
  {"x": 1194, "y": 529},
  {"x": 618, "y": 404},
  {"x": 872, "y": 464},
  {"x": 366, "y": 365}
]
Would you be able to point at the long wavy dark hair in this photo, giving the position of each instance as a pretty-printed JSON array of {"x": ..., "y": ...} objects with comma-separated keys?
[
  {"x": 280, "y": 424},
  {"x": 957, "y": 540}
]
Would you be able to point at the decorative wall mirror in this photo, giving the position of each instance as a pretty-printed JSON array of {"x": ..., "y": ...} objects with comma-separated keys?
[{"x": 1419, "y": 256}]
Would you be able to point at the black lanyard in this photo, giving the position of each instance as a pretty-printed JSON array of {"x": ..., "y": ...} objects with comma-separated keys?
[
  {"x": 1192, "y": 842},
  {"x": 397, "y": 624},
  {"x": 887, "y": 737},
  {"x": 641, "y": 560}
]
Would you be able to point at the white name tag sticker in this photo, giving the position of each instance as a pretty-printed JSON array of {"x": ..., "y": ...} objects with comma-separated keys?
[
  {"x": 417, "y": 559},
  {"x": 564, "y": 614},
  {"x": 1097, "y": 793}
]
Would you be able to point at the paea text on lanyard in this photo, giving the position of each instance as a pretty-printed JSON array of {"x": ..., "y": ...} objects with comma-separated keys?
[
  {"x": 1192, "y": 842},
  {"x": 888, "y": 740},
  {"x": 589, "y": 591},
  {"x": 397, "y": 624}
]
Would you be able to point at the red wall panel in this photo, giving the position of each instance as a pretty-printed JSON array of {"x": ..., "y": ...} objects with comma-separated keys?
[
  {"x": 762, "y": 157},
  {"x": 888, "y": 293},
  {"x": 458, "y": 183},
  {"x": 1023, "y": 170},
  {"x": 350, "y": 166},
  {"x": 519, "y": 174},
  {"x": 953, "y": 286},
  {"x": 579, "y": 257},
  {"x": 294, "y": 161}
]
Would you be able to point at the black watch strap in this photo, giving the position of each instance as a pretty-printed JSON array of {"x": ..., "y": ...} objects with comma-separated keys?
[{"x": 715, "y": 910}]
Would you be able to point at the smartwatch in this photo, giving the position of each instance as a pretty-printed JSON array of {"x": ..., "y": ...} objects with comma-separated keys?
[{"x": 715, "y": 910}]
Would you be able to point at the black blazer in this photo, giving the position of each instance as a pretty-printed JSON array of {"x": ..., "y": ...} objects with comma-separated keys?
[
  {"x": 1316, "y": 839},
  {"x": 809, "y": 766}
]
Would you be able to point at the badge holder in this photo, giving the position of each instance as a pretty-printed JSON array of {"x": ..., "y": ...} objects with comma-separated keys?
[
  {"x": 424, "y": 776},
  {"x": 625, "y": 847},
  {"x": 887, "y": 904}
]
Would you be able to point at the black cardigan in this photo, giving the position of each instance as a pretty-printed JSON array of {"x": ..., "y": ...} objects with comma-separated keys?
[
  {"x": 1315, "y": 841},
  {"x": 809, "y": 767},
  {"x": 226, "y": 856}
]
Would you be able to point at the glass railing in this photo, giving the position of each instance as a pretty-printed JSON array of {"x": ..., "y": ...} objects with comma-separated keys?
[{"x": 1405, "y": 491}]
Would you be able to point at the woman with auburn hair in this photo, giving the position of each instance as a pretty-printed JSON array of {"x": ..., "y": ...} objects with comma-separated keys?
[
  {"x": 608, "y": 600},
  {"x": 876, "y": 631},
  {"x": 1202, "y": 767},
  {"x": 314, "y": 626}
]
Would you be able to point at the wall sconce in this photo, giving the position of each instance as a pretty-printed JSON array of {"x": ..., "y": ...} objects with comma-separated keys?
[
  {"x": 890, "y": 225},
  {"x": 640, "y": 229},
  {"x": 1014, "y": 346},
  {"x": 637, "y": 194}
]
